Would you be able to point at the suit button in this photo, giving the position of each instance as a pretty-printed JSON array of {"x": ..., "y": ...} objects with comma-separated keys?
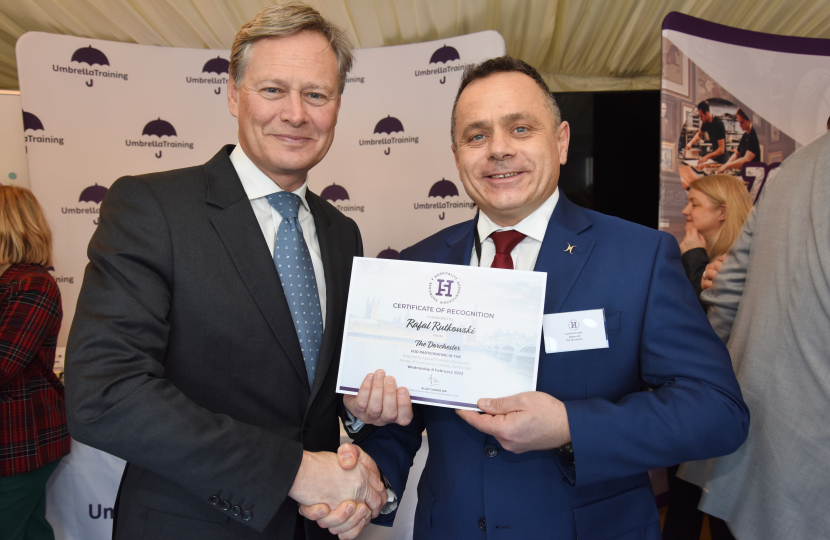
[
  {"x": 225, "y": 505},
  {"x": 236, "y": 510},
  {"x": 482, "y": 524},
  {"x": 491, "y": 450},
  {"x": 247, "y": 515},
  {"x": 214, "y": 500},
  {"x": 305, "y": 429}
]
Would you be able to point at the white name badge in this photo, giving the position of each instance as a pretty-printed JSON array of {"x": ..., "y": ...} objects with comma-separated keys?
[{"x": 575, "y": 331}]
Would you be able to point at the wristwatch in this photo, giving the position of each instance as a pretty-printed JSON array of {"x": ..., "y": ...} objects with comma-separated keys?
[{"x": 392, "y": 498}]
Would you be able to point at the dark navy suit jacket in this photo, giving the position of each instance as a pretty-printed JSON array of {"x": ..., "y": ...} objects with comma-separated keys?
[{"x": 659, "y": 340}]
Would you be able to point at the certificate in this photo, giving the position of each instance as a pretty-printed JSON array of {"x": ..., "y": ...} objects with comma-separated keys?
[{"x": 450, "y": 334}]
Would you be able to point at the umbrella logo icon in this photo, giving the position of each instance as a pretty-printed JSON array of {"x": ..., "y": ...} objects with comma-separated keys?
[
  {"x": 32, "y": 122},
  {"x": 444, "y": 55},
  {"x": 216, "y": 65},
  {"x": 335, "y": 193},
  {"x": 94, "y": 194},
  {"x": 159, "y": 128},
  {"x": 388, "y": 253},
  {"x": 443, "y": 188},
  {"x": 90, "y": 55},
  {"x": 389, "y": 125}
]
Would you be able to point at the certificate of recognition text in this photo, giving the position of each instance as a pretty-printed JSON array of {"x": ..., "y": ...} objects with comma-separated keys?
[{"x": 450, "y": 334}]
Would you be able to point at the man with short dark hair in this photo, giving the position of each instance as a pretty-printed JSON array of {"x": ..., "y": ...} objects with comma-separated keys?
[
  {"x": 205, "y": 346},
  {"x": 571, "y": 459},
  {"x": 713, "y": 127}
]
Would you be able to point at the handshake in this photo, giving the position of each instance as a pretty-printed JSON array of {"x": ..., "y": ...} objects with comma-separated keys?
[{"x": 342, "y": 492}]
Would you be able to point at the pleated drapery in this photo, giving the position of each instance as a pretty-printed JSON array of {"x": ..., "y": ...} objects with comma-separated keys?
[{"x": 577, "y": 44}]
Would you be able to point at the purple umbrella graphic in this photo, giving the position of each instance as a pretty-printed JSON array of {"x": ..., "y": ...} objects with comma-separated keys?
[
  {"x": 443, "y": 188},
  {"x": 32, "y": 122},
  {"x": 216, "y": 65},
  {"x": 388, "y": 253},
  {"x": 159, "y": 128},
  {"x": 335, "y": 193},
  {"x": 443, "y": 55},
  {"x": 389, "y": 125},
  {"x": 90, "y": 55},
  {"x": 94, "y": 194}
]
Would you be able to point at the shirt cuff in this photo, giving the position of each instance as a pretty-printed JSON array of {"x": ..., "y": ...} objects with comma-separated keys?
[{"x": 353, "y": 425}]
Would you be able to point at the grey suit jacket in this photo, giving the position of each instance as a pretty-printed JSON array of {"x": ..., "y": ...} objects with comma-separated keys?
[
  {"x": 183, "y": 359},
  {"x": 771, "y": 303}
]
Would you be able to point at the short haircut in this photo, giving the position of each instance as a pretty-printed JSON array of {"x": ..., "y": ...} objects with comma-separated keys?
[
  {"x": 284, "y": 21},
  {"x": 743, "y": 114},
  {"x": 25, "y": 237},
  {"x": 505, "y": 64},
  {"x": 703, "y": 106}
]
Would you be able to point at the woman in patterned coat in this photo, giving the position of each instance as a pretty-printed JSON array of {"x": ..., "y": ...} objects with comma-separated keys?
[{"x": 33, "y": 434}]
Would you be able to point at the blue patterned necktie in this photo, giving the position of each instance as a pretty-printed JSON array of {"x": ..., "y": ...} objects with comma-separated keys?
[{"x": 296, "y": 272}]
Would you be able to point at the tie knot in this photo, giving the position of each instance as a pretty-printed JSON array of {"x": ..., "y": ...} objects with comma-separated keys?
[
  {"x": 506, "y": 240},
  {"x": 287, "y": 204}
]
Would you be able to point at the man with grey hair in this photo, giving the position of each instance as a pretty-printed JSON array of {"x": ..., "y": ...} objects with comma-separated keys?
[{"x": 205, "y": 345}]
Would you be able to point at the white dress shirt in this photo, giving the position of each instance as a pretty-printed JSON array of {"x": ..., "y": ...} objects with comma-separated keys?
[
  {"x": 257, "y": 186},
  {"x": 527, "y": 251}
]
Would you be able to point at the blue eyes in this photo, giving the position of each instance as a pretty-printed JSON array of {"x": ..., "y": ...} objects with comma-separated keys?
[{"x": 521, "y": 129}]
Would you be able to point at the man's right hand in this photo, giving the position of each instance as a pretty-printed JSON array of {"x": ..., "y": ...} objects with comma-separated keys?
[
  {"x": 379, "y": 401},
  {"x": 322, "y": 479},
  {"x": 349, "y": 518},
  {"x": 711, "y": 271}
]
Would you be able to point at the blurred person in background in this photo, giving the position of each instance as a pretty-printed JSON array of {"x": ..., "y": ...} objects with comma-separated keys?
[
  {"x": 769, "y": 305},
  {"x": 33, "y": 438},
  {"x": 749, "y": 149},
  {"x": 716, "y": 211}
]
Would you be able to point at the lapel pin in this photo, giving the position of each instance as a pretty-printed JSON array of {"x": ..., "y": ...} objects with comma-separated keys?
[{"x": 569, "y": 249}]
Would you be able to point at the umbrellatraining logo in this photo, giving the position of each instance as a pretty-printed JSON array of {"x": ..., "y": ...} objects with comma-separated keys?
[
  {"x": 389, "y": 131},
  {"x": 89, "y": 202},
  {"x": 443, "y": 61},
  {"x": 339, "y": 198},
  {"x": 31, "y": 126},
  {"x": 443, "y": 191},
  {"x": 158, "y": 134},
  {"x": 214, "y": 73},
  {"x": 90, "y": 62}
]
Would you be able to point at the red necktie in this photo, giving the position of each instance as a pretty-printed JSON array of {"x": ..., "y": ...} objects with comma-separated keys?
[{"x": 505, "y": 242}]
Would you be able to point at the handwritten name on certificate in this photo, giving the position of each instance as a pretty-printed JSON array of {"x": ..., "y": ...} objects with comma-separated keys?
[{"x": 449, "y": 334}]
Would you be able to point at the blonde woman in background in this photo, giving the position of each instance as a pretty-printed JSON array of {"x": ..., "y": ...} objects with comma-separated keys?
[
  {"x": 33, "y": 434},
  {"x": 716, "y": 211},
  {"x": 717, "y": 208}
]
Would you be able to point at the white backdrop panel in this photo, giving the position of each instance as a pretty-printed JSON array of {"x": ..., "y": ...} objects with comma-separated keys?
[{"x": 13, "y": 168}]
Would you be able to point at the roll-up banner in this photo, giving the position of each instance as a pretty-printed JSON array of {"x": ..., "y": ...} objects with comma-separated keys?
[
  {"x": 781, "y": 83},
  {"x": 97, "y": 110}
]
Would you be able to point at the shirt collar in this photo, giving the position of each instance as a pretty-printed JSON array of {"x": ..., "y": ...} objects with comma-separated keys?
[
  {"x": 255, "y": 182},
  {"x": 535, "y": 225}
]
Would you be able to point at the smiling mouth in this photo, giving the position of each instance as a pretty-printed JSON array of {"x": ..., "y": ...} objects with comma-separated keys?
[{"x": 506, "y": 175}]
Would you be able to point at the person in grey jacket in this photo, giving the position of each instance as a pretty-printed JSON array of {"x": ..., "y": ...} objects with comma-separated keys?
[{"x": 770, "y": 302}]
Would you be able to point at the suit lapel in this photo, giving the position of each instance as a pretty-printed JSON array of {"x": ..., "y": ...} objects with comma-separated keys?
[
  {"x": 563, "y": 267},
  {"x": 460, "y": 244},
  {"x": 237, "y": 226},
  {"x": 332, "y": 269}
]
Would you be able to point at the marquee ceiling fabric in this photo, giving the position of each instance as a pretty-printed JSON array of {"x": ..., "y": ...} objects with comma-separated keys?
[{"x": 577, "y": 44}]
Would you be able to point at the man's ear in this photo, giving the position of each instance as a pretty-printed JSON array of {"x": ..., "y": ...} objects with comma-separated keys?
[
  {"x": 233, "y": 97},
  {"x": 563, "y": 136}
]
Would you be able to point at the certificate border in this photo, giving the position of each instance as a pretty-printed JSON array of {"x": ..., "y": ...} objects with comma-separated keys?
[{"x": 424, "y": 399}]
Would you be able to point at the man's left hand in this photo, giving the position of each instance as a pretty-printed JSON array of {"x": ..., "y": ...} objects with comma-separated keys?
[
  {"x": 379, "y": 401},
  {"x": 523, "y": 422}
]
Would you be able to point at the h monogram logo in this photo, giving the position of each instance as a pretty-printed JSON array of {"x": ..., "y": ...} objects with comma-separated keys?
[{"x": 444, "y": 287}]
